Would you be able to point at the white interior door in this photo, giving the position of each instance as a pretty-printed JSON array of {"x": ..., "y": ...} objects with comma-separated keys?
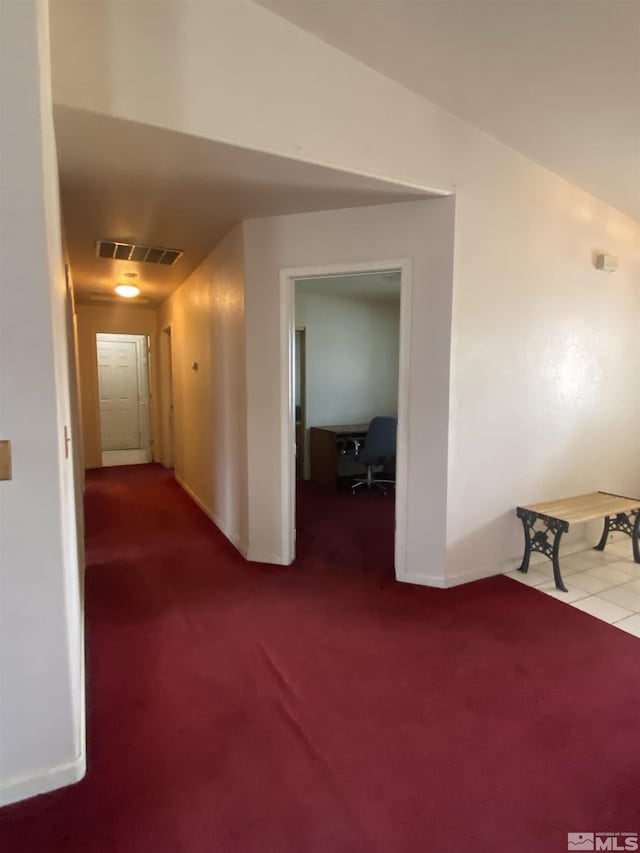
[{"x": 124, "y": 395}]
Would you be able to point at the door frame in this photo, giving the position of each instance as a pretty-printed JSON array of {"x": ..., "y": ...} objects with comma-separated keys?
[
  {"x": 288, "y": 277},
  {"x": 302, "y": 332},
  {"x": 167, "y": 398}
]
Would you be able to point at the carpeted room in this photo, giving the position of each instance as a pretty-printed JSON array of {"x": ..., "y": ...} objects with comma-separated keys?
[
  {"x": 246, "y": 705},
  {"x": 323, "y": 706}
]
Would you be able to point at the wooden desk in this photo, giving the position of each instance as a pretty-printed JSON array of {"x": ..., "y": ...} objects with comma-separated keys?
[
  {"x": 619, "y": 513},
  {"x": 327, "y": 462}
]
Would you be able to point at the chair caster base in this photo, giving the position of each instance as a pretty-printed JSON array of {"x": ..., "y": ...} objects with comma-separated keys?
[{"x": 369, "y": 487}]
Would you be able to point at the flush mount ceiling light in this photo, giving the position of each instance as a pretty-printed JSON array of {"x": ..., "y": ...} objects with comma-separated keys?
[{"x": 127, "y": 290}]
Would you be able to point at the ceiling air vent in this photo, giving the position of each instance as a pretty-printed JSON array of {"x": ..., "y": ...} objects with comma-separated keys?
[{"x": 117, "y": 251}]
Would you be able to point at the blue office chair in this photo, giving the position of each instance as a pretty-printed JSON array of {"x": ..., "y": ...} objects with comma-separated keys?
[{"x": 379, "y": 448}]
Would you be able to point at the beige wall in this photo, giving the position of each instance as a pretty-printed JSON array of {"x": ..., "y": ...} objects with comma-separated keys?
[
  {"x": 206, "y": 317},
  {"x": 41, "y": 620},
  {"x": 420, "y": 232},
  {"x": 543, "y": 358},
  {"x": 123, "y": 319}
]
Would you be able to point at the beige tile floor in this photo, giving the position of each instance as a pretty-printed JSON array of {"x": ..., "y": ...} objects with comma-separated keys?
[{"x": 605, "y": 584}]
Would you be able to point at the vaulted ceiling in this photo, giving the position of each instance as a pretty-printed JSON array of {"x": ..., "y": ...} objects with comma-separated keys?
[{"x": 558, "y": 81}]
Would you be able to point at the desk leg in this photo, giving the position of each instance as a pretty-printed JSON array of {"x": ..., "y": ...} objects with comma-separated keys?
[
  {"x": 635, "y": 537},
  {"x": 538, "y": 540}
]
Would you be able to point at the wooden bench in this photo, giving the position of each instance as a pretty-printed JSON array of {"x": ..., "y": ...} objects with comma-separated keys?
[{"x": 555, "y": 517}]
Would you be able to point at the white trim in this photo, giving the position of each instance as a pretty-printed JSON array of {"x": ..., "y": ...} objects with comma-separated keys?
[
  {"x": 234, "y": 538},
  {"x": 435, "y": 581},
  {"x": 287, "y": 415},
  {"x": 143, "y": 348},
  {"x": 469, "y": 577},
  {"x": 438, "y": 582},
  {"x": 263, "y": 557},
  {"x": 166, "y": 407},
  {"x": 288, "y": 276},
  {"x": 236, "y": 541},
  {"x": 43, "y": 781},
  {"x": 402, "y": 451}
]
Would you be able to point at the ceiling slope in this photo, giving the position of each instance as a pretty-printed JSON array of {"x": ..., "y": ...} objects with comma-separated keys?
[
  {"x": 558, "y": 81},
  {"x": 134, "y": 183}
]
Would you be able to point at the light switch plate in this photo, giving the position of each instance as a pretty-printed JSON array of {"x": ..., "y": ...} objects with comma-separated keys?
[{"x": 5, "y": 460}]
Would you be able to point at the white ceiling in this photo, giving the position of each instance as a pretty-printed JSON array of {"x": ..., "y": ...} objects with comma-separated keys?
[
  {"x": 135, "y": 183},
  {"x": 376, "y": 287},
  {"x": 558, "y": 80}
]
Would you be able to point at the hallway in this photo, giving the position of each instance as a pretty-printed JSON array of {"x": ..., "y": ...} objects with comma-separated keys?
[{"x": 325, "y": 708}]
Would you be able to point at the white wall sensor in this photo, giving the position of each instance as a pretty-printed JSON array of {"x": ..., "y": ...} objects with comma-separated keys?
[{"x": 607, "y": 263}]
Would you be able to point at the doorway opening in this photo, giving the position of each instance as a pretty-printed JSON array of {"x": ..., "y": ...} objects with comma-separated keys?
[
  {"x": 123, "y": 386},
  {"x": 300, "y": 398},
  {"x": 168, "y": 412},
  {"x": 348, "y": 353}
]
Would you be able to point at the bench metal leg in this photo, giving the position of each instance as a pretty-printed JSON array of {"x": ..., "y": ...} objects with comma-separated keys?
[
  {"x": 526, "y": 523},
  {"x": 605, "y": 535},
  {"x": 556, "y": 561},
  {"x": 628, "y": 523},
  {"x": 538, "y": 540}
]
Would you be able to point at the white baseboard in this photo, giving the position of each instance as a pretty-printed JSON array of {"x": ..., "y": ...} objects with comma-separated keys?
[
  {"x": 434, "y": 581},
  {"x": 264, "y": 557},
  {"x": 469, "y": 577},
  {"x": 46, "y": 780},
  {"x": 233, "y": 537},
  {"x": 460, "y": 578}
]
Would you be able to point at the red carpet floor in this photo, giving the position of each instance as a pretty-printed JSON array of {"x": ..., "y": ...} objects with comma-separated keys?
[{"x": 325, "y": 708}]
